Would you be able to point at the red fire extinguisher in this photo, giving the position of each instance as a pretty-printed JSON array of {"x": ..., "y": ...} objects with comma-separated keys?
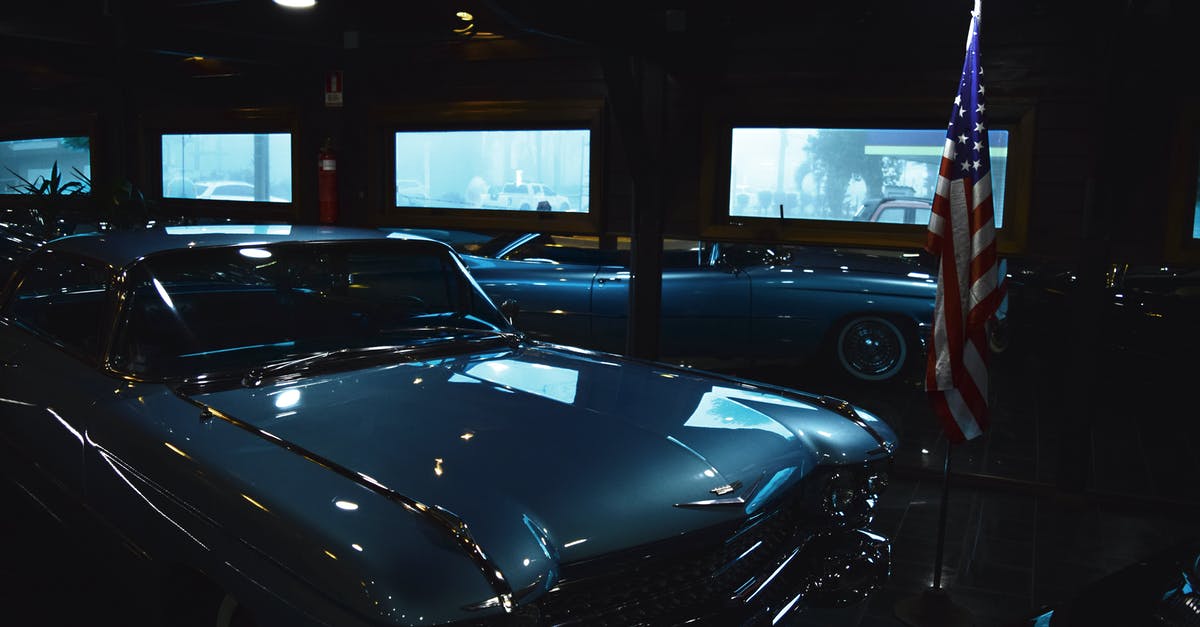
[{"x": 327, "y": 183}]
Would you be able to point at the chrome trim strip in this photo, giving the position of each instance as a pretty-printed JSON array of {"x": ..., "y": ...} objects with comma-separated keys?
[
  {"x": 778, "y": 570},
  {"x": 737, "y": 500},
  {"x": 726, "y": 489},
  {"x": 454, "y": 526},
  {"x": 846, "y": 410}
]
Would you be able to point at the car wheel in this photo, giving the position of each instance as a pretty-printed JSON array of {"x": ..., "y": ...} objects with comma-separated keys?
[
  {"x": 871, "y": 348},
  {"x": 998, "y": 334}
]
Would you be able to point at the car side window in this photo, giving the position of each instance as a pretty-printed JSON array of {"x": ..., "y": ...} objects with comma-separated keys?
[
  {"x": 679, "y": 253},
  {"x": 64, "y": 299},
  {"x": 567, "y": 249},
  {"x": 892, "y": 215}
]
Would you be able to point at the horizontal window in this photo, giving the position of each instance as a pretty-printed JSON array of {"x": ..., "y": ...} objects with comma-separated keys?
[
  {"x": 524, "y": 170},
  {"x": 840, "y": 174},
  {"x": 54, "y": 166},
  {"x": 1196, "y": 212},
  {"x": 242, "y": 167}
]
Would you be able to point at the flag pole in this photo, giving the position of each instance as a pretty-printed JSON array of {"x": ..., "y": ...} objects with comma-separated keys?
[
  {"x": 941, "y": 541},
  {"x": 962, "y": 236},
  {"x": 933, "y": 607}
]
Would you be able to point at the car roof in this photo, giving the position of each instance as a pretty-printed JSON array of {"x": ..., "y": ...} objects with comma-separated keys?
[
  {"x": 121, "y": 247},
  {"x": 225, "y": 182},
  {"x": 916, "y": 199}
]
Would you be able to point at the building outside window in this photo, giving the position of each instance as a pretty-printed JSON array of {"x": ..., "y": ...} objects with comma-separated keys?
[{"x": 26, "y": 163}]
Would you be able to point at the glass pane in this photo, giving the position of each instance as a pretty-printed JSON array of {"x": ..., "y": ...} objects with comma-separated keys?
[
  {"x": 65, "y": 299},
  {"x": 48, "y": 166},
  {"x": 291, "y": 300},
  {"x": 843, "y": 174},
  {"x": 1196, "y": 215},
  {"x": 535, "y": 170},
  {"x": 236, "y": 166}
]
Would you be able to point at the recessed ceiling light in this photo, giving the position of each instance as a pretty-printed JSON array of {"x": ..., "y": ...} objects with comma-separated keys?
[{"x": 296, "y": 4}]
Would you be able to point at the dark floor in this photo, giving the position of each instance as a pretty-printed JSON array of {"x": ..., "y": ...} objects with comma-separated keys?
[{"x": 1077, "y": 477}]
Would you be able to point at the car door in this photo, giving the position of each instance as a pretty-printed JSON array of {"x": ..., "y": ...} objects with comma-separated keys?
[
  {"x": 550, "y": 277},
  {"x": 705, "y": 312},
  {"x": 52, "y": 329}
]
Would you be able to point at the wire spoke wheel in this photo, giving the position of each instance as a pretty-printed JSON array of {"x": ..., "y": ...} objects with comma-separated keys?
[{"x": 871, "y": 348}]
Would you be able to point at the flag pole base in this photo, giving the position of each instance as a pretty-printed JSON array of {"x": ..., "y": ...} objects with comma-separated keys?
[{"x": 932, "y": 608}]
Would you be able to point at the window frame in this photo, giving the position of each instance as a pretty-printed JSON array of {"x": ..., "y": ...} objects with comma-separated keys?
[
  {"x": 1017, "y": 117},
  {"x": 1184, "y": 186},
  {"x": 473, "y": 115},
  {"x": 84, "y": 125},
  {"x": 251, "y": 121}
]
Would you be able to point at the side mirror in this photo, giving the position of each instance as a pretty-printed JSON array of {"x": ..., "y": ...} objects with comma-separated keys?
[{"x": 510, "y": 308}]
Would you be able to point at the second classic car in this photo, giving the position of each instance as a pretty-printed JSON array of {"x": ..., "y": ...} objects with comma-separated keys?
[
  {"x": 328, "y": 426},
  {"x": 723, "y": 305}
]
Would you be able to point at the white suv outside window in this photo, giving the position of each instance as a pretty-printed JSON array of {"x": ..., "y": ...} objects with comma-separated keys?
[{"x": 527, "y": 197}]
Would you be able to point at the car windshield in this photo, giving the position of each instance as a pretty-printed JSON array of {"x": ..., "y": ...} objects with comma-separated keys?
[{"x": 240, "y": 308}]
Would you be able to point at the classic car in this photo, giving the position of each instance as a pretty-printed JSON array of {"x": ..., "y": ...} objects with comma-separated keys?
[
  {"x": 724, "y": 305},
  {"x": 329, "y": 426},
  {"x": 15, "y": 241}
]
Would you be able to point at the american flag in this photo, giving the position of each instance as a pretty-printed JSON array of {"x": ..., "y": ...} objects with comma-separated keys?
[{"x": 962, "y": 234}]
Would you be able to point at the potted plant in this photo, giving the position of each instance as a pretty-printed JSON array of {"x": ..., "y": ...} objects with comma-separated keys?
[{"x": 54, "y": 192}]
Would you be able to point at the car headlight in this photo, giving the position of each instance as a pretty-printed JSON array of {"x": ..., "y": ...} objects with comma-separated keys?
[{"x": 848, "y": 495}]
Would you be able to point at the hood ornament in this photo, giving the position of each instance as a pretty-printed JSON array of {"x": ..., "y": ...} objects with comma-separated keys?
[
  {"x": 720, "y": 491},
  {"x": 726, "y": 489}
]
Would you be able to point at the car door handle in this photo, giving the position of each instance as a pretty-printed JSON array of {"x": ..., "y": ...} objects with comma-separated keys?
[{"x": 604, "y": 280}]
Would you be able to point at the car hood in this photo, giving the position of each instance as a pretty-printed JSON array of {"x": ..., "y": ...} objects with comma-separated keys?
[{"x": 597, "y": 450}]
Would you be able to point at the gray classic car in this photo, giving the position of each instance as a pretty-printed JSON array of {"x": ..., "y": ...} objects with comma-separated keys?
[{"x": 327, "y": 426}]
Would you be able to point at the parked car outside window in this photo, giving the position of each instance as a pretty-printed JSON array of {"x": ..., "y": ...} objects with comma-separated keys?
[
  {"x": 411, "y": 193},
  {"x": 895, "y": 210},
  {"x": 231, "y": 190},
  {"x": 526, "y": 197}
]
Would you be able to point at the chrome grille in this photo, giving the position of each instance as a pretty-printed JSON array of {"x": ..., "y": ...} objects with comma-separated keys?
[{"x": 673, "y": 586}]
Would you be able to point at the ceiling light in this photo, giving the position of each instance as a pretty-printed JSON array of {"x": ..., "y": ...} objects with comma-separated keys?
[
  {"x": 464, "y": 16},
  {"x": 296, "y": 4}
]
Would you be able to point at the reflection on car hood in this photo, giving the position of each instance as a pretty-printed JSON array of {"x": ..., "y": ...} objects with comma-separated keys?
[{"x": 599, "y": 450}]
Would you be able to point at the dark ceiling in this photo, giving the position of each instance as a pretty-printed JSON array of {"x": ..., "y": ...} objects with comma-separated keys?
[
  {"x": 55, "y": 41},
  {"x": 51, "y": 43}
]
